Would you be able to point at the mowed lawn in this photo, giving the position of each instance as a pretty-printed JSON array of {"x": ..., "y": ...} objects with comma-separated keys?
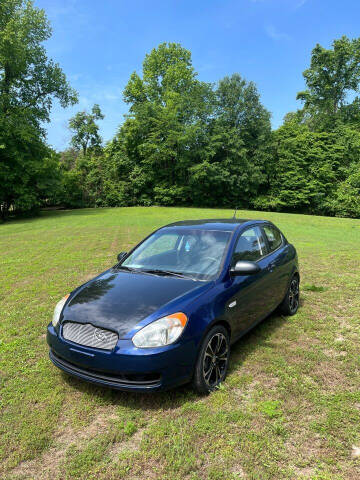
[{"x": 290, "y": 407}]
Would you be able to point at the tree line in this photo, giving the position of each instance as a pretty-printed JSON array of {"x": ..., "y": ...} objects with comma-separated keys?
[{"x": 183, "y": 141}]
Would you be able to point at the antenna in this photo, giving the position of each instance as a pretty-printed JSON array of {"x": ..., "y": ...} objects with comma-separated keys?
[{"x": 234, "y": 216}]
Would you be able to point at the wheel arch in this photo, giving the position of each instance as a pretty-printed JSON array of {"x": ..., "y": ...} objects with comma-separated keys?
[{"x": 217, "y": 322}]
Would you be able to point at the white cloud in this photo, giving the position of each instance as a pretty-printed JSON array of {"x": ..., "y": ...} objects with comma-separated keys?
[{"x": 274, "y": 34}]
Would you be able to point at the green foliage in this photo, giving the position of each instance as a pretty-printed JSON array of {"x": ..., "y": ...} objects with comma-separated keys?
[
  {"x": 333, "y": 74},
  {"x": 270, "y": 408},
  {"x": 314, "y": 172},
  {"x": 184, "y": 142},
  {"x": 71, "y": 189},
  {"x": 305, "y": 168},
  {"x": 86, "y": 131},
  {"x": 28, "y": 83},
  {"x": 235, "y": 160},
  {"x": 130, "y": 428},
  {"x": 163, "y": 133},
  {"x": 346, "y": 201}
]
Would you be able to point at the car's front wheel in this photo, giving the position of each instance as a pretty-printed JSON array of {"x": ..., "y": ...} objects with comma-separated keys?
[{"x": 213, "y": 360}]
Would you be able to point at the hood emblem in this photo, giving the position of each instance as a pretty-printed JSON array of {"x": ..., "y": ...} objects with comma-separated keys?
[{"x": 99, "y": 335}]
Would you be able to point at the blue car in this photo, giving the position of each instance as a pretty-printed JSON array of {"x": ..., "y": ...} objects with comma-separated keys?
[{"x": 169, "y": 310}]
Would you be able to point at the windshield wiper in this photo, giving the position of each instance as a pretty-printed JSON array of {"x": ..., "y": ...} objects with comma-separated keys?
[
  {"x": 123, "y": 267},
  {"x": 155, "y": 271}
]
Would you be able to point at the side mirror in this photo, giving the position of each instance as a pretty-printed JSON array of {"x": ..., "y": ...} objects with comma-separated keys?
[
  {"x": 243, "y": 267},
  {"x": 121, "y": 255}
]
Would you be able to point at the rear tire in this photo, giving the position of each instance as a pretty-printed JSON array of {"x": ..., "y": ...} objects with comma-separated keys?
[
  {"x": 213, "y": 360},
  {"x": 289, "y": 306}
]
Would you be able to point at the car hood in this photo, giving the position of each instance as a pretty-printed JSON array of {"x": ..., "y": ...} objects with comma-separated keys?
[{"x": 119, "y": 300}]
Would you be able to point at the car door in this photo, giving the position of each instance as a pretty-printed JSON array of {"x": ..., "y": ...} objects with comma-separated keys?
[
  {"x": 278, "y": 264},
  {"x": 248, "y": 300}
]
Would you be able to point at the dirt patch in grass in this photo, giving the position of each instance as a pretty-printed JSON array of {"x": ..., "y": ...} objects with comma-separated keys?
[
  {"x": 306, "y": 448},
  {"x": 330, "y": 377},
  {"x": 47, "y": 465},
  {"x": 238, "y": 471},
  {"x": 132, "y": 444}
]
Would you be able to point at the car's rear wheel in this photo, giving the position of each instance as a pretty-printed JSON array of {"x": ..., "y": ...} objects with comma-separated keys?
[
  {"x": 213, "y": 360},
  {"x": 290, "y": 304}
]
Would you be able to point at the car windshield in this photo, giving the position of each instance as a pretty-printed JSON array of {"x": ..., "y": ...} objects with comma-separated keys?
[{"x": 190, "y": 253}]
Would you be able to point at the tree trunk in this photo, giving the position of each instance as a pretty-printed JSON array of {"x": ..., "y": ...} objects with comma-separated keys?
[{"x": 4, "y": 207}]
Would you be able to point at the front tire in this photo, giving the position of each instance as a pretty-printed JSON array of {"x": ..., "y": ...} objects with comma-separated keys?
[
  {"x": 290, "y": 304},
  {"x": 213, "y": 360}
]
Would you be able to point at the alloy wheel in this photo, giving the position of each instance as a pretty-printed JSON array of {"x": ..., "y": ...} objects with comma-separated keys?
[
  {"x": 215, "y": 360},
  {"x": 294, "y": 295}
]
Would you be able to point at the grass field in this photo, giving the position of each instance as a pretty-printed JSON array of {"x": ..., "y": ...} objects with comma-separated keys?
[{"x": 290, "y": 407}]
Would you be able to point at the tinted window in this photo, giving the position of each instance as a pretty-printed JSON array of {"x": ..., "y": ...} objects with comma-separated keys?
[
  {"x": 274, "y": 237},
  {"x": 250, "y": 246}
]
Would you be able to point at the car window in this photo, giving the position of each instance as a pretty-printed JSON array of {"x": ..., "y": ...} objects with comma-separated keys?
[
  {"x": 250, "y": 246},
  {"x": 160, "y": 244},
  {"x": 274, "y": 237},
  {"x": 193, "y": 252}
]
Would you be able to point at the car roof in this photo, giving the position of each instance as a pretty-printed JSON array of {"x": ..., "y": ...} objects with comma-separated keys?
[{"x": 224, "y": 224}]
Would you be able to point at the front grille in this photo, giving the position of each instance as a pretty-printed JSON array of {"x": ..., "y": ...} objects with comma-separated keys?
[
  {"x": 114, "y": 379},
  {"x": 90, "y": 336}
]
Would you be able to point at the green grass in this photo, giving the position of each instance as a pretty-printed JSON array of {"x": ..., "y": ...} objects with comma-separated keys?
[{"x": 290, "y": 407}]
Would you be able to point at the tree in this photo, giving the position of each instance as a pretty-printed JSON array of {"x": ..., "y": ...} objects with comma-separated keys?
[
  {"x": 29, "y": 82},
  {"x": 163, "y": 133},
  {"x": 235, "y": 156},
  {"x": 238, "y": 106},
  {"x": 346, "y": 199},
  {"x": 332, "y": 76},
  {"x": 86, "y": 131},
  {"x": 314, "y": 172},
  {"x": 182, "y": 142}
]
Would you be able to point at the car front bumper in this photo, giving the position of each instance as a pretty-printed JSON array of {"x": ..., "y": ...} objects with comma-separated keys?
[{"x": 126, "y": 367}]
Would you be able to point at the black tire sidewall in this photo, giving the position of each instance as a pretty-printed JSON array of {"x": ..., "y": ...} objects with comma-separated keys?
[
  {"x": 199, "y": 383},
  {"x": 285, "y": 305}
]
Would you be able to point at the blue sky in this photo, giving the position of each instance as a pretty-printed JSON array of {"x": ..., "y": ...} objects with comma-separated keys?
[{"x": 99, "y": 43}]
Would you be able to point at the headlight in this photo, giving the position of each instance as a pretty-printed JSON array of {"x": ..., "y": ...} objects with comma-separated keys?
[
  {"x": 161, "y": 332},
  {"x": 58, "y": 308}
]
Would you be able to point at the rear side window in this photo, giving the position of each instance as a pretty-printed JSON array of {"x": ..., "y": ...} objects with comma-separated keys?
[
  {"x": 274, "y": 237},
  {"x": 250, "y": 246}
]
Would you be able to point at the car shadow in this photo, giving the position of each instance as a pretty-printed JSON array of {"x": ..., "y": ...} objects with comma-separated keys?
[
  {"x": 71, "y": 212},
  {"x": 254, "y": 340},
  {"x": 172, "y": 399}
]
